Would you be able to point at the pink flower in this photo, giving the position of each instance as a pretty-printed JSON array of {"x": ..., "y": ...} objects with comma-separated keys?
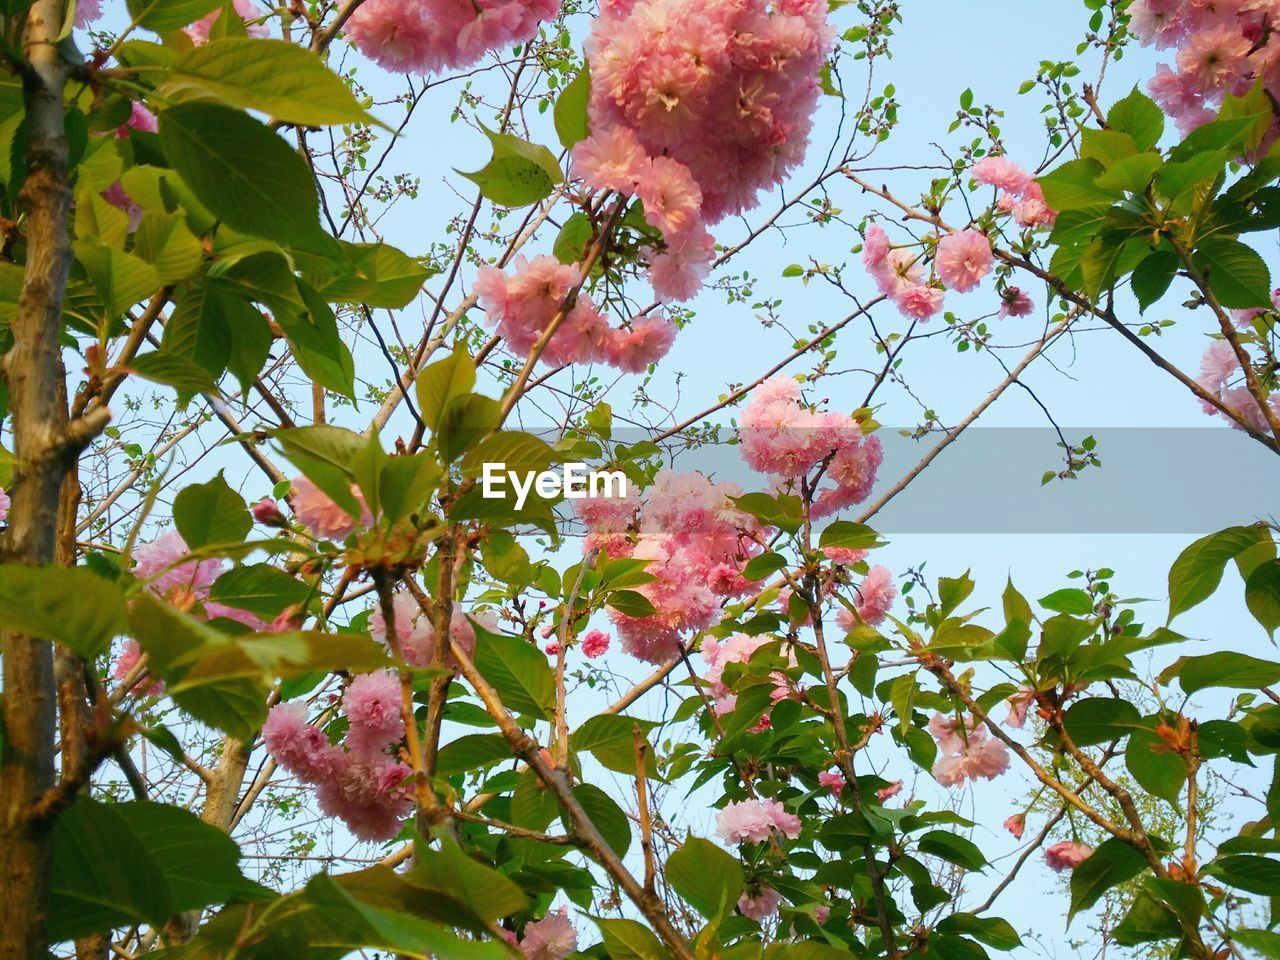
[
  {"x": 889, "y": 792},
  {"x": 199, "y": 31},
  {"x": 762, "y": 906},
  {"x": 552, "y": 649},
  {"x": 1216, "y": 60},
  {"x": 963, "y": 259},
  {"x": 369, "y": 794},
  {"x": 130, "y": 654},
  {"x": 751, "y": 820},
  {"x": 551, "y": 938},
  {"x": 1003, "y": 173},
  {"x": 921, "y": 302},
  {"x": 611, "y": 159},
  {"x": 266, "y": 512},
  {"x": 1016, "y": 824},
  {"x": 821, "y": 913},
  {"x": 4, "y": 504},
  {"x": 595, "y": 644},
  {"x": 833, "y": 780},
  {"x": 1019, "y": 704},
  {"x": 1066, "y": 855},
  {"x": 875, "y": 596},
  {"x": 875, "y": 248},
  {"x": 1015, "y": 303},
  {"x": 670, "y": 195},
  {"x": 321, "y": 515},
  {"x": 161, "y": 561},
  {"x": 1218, "y": 365},
  {"x": 140, "y": 118},
  {"x": 677, "y": 272},
  {"x": 967, "y": 751},
  {"x": 87, "y": 11},
  {"x": 845, "y": 556},
  {"x": 300, "y": 747},
  {"x": 648, "y": 341},
  {"x": 372, "y": 706}
]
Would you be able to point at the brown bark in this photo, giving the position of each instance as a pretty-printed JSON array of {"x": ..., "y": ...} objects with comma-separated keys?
[{"x": 42, "y": 446}]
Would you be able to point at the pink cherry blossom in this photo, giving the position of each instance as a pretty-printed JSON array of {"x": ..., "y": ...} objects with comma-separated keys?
[
  {"x": 889, "y": 792},
  {"x": 875, "y": 248},
  {"x": 551, "y": 938},
  {"x": 1003, "y": 173},
  {"x": 130, "y": 654},
  {"x": 611, "y": 159},
  {"x": 1066, "y": 855},
  {"x": 595, "y": 644},
  {"x": 267, "y": 512},
  {"x": 87, "y": 11},
  {"x": 845, "y": 556},
  {"x": 372, "y": 706},
  {"x": 162, "y": 562},
  {"x": 1016, "y": 824},
  {"x": 4, "y": 504},
  {"x": 1015, "y": 303},
  {"x": 833, "y": 780},
  {"x": 300, "y": 747},
  {"x": 752, "y": 820},
  {"x": 963, "y": 259},
  {"x": 762, "y": 906},
  {"x": 369, "y": 794},
  {"x": 920, "y": 302},
  {"x": 966, "y": 751},
  {"x": 1019, "y": 704},
  {"x": 322, "y": 515}
]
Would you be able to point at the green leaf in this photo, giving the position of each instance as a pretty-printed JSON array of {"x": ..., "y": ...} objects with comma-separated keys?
[
  {"x": 325, "y": 454},
  {"x": 1132, "y": 174},
  {"x": 1072, "y": 186},
  {"x": 442, "y": 382},
  {"x": 211, "y": 513},
  {"x": 707, "y": 877},
  {"x": 1236, "y": 274},
  {"x": 953, "y": 848},
  {"x": 631, "y": 603},
  {"x": 1262, "y": 595},
  {"x": 185, "y": 376},
  {"x": 573, "y": 239},
  {"x": 487, "y": 893},
  {"x": 1224, "y": 669},
  {"x": 629, "y": 940},
  {"x": 1068, "y": 600},
  {"x": 850, "y": 536},
  {"x": 102, "y": 876},
  {"x": 993, "y": 931},
  {"x": 1266, "y": 943},
  {"x": 278, "y": 78},
  {"x": 571, "y": 109},
  {"x": 376, "y": 275},
  {"x": 1138, "y": 116},
  {"x": 246, "y": 175},
  {"x": 1196, "y": 573},
  {"x": 407, "y": 482},
  {"x": 1260, "y": 875},
  {"x": 610, "y": 738},
  {"x": 761, "y": 566},
  {"x": 121, "y": 279},
  {"x": 607, "y": 816},
  {"x": 1100, "y": 720},
  {"x": 169, "y": 15},
  {"x": 518, "y": 671},
  {"x": 1113, "y": 863},
  {"x": 470, "y": 752},
  {"x": 69, "y": 605},
  {"x": 1152, "y": 277},
  {"x": 1158, "y": 771},
  {"x": 1147, "y": 920},
  {"x": 1107, "y": 146},
  {"x": 260, "y": 588},
  {"x": 519, "y": 172}
]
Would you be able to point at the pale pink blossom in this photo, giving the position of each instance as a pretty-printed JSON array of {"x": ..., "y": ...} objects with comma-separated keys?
[
  {"x": 670, "y": 195},
  {"x": 963, "y": 259},
  {"x": 845, "y": 556},
  {"x": 87, "y": 11},
  {"x": 833, "y": 780},
  {"x": 1066, "y": 855},
  {"x": 1015, "y": 303},
  {"x": 678, "y": 271},
  {"x": 1003, "y": 173},
  {"x": 1016, "y": 824},
  {"x": 4, "y": 504},
  {"x": 875, "y": 248},
  {"x": 320, "y": 514},
  {"x": 300, "y": 747},
  {"x": 920, "y": 302},
  {"x": 762, "y": 906},
  {"x": 611, "y": 159},
  {"x": 821, "y": 913},
  {"x": 130, "y": 654},
  {"x": 551, "y": 938},
  {"x": 267, "y": 512},
  {"x": 1019, "y": 704},
  {"x": 889, "y": 792},
  {"x": 752, "y": 820},
  {"x": 162, "y": 563}
]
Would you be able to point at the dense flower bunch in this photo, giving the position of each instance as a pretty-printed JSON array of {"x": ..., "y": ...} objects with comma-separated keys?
[
  {"x": 696, "y": 543},
  {"x": 1220, "y": 48},
  {"x": 524, "y": 303},
  {"x": 1020, "y": 195},
  {"x": 784, "y": 438},
  {"x": 695, "y": 108},
  {"x": 359, "y": 782},
  {"x": 873, "y": 599},
  {"x": 427, "y": 36}
]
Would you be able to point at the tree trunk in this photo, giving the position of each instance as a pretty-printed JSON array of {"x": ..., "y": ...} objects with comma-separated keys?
[{"x": 40, "y": 434}]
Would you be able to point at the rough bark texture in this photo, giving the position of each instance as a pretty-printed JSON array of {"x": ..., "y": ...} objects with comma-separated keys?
[{"x": 39, "y": 432}]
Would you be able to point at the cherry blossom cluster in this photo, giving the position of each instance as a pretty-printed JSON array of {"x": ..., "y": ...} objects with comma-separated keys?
[
  {"x": 873, "y": 598},
  {"x": 786, "y": 439},
  {"x": 696, "y": 543},
  {"x": 427, "y": 36},
  {"x": 186, "y": 583},
  {"x": 359, "y": 781},
  {"x": 967, "y": 751},
  {"x": 1222, "y": 376},
  {"x": 739, "y": 648},
  {"x": 960, "y": 262},
  {"x": 524, "y": 303},
  {"x": 695, "y": 108},
  {"x": 1219, "y": 48},
  {"x": 755, "y": 821},
  {"x": 416, "y": 636},
  {"x": 1020, "y": 195}
]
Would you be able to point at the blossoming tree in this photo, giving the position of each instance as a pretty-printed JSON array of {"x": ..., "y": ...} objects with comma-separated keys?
[{"x": 253, "y": 591}]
